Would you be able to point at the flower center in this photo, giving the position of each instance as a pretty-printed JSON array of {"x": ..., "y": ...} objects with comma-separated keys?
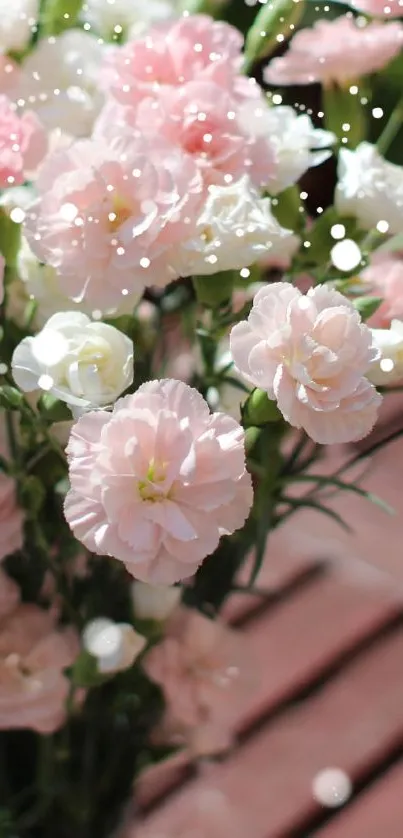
[
  {"x": 150, "y": 488},
  {"x": 120, "y": 212}
]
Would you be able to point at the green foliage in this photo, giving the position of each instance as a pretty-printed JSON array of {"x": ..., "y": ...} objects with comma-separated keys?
[
  {"x": 259, "y": 410},
  {"x": 52, "y": 409},
  {"x": 341, "y": 108},
  {"x": 58, "y": 15},
  {"x": 10, "y": 236},
  {"x": 10, "y": 397},
  {"x": 277, "y": 18},
  {"x": 367, "y": 306},
  {"x": 214, "y": 291}
]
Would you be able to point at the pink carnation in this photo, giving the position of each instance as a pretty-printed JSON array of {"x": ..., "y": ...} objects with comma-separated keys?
[
  {"x": 192, "y": 48},
  {"x": 199, "y": 665},
  {"x": 310, "y": 353},
  {"x": 336, "y": 51},
  {"x": 110, "y": 213},
  {"x": 379, "y": 8},
  {"x": 23, "y": 144},
  {"x": 146, "y": 478},
  {"x": 206, "y": 122},
  {"x": 9, "y": 75},
  {"x": 384, "y": 276},
  {"x": 9, "y": 595},
  {"x": 33, "y": 655}
]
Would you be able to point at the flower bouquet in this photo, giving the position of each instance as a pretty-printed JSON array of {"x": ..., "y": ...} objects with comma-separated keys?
[{"x": 184, "y": 327}]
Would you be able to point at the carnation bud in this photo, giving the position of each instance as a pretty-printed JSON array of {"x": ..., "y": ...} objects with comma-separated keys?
[
  {"x": 259, "y": 409},
  {"x": 114, "y": 645},
  {"x": 272, "y": 25},
  {"x": 155, "y": 602}
]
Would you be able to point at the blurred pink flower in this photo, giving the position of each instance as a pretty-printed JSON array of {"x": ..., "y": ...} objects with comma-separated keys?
[
  {"x": 9, "y": 594},
  {"x": 145, "y": 479},
  {"x": 200, "y": 666},
  {"x": 192, "y": 48},
  {"x": 337, "y": 51},
  {"x": 110, "y": 212},
  {"x": 310, "y": 353},
  {"x": 384, "y": 278},
  {"x": 2, "y": 268},
  {"x": 33, "y": 655},
  {"x": 9, "y": 75},
  {"x": 210, "y": 815},
  {"x": 23, "y": 144},
  {"x": 379, "y": 8},
  {"x": 11, "y": 518}
]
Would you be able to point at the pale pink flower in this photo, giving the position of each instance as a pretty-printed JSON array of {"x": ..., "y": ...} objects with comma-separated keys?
[
  {"x": 2, "y": 269},
  {"x": 192, "y": 48},
  {"x": 199, "y": 666},
  {"x": 23, "y": 144},
  {"x": 33, "y": 655},
  {"x": 146, "y": 478},
  {"x": 9, "y": 75},
  {"x": 209, "y": 814},
  {"x": 205, "y": 121},
  {"x": 336, "y": 51},
  {"x": 11, "y": 518},
  {"x": 378, "y": 8},
  {"x": 384, "y": 278},
  {"x": 310, "y": 353},
  {"x": 109, "y": 214},
  {"x": 9, "y": 594}
]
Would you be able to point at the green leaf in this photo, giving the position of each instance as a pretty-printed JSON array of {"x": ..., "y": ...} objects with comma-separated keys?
[
  {"x": 273, "y": 20},
  {"x": 333, "y": 481},
  {"x": 10, "y": 236},
  {"x": 52, "y": 409},
  {"x": 58, "y": 15},
  {"x": 32, "y": 495},
  {"x": 213, "y": 291},
  {"x": 10, "y": 397},
  {"x": 367, "y": 306},
  {"x": 85, "y": 672},
  {"x": 342, "y": 108},
  {"x": 286, "y": 208},
  {"x": 301, "y": 503}
]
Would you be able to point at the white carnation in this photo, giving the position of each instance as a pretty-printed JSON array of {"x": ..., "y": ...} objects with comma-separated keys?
[
  {"x": 388, "y": 369},
  {"x": 83, "y": 363},
  {"x": 17, "y": 21},
  {"x": 296, "y": 144},
  {"x": 60, "y": 81},
  {"x": 42, "y": 284},
  {"x": 133, "y": 16},
  {"x": 235, "y": 229},
  {"x": 370, "y": 188}
]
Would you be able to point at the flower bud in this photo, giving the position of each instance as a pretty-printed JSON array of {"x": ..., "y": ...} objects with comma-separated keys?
[
  {"x": 115, "y": 645},
  {"x": 155, "y": 602},
  {"x": 276, "y": 21}
]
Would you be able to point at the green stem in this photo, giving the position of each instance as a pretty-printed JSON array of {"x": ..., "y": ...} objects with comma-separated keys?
[{"x": 391, "y": 129}]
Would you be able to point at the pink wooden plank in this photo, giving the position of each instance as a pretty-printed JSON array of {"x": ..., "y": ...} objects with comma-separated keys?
[
  {"x": 287, "y": 648},
  {"x": 353, "y": 722},
  {"x": 377, "y": 812}
]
